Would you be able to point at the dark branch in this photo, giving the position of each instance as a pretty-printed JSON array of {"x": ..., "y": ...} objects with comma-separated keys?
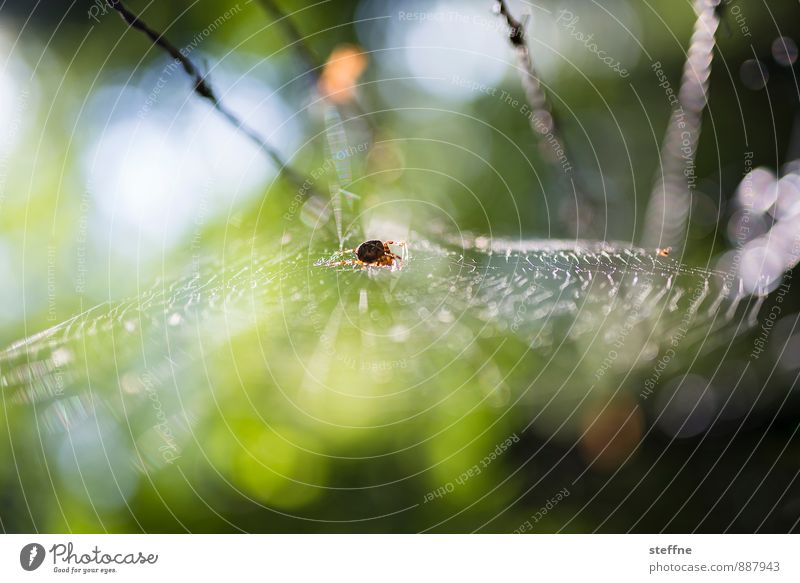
[
  {"x": 542, "y": 120},
  {"x": 200, "y": 85},
  {"x": 544, "y": 125},
  {"x": 516, "y": 29},
  {"x": 202, "y": 88}
]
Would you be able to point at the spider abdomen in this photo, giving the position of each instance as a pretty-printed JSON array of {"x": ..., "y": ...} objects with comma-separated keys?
[{"x": 370, "y": 251}]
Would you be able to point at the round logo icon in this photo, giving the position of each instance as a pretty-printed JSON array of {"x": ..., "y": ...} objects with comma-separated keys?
[{"x": 31, "y": 556}]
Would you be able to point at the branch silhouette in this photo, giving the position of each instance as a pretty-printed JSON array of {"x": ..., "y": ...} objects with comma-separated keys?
[
  {"x": 203, "y": 88},
  {"x": 545, "y": 127}
]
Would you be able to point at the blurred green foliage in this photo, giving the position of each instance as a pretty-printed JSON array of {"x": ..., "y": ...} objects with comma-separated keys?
[{"x": 278, "y": 432}]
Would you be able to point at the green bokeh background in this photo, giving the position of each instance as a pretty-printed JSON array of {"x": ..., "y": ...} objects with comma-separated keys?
[{"x": 222, "y": 322}]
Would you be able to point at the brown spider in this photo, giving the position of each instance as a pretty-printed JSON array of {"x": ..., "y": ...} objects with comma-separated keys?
[
  {"x": 375, "y": 253},
  {"x": 663, "y": 251}
]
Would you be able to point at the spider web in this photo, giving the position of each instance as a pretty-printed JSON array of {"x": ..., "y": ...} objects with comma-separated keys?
[{"x": 467, "y": 324}]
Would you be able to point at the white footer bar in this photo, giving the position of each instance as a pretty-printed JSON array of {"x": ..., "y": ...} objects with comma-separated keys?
[{"x": 400, "y": 558}]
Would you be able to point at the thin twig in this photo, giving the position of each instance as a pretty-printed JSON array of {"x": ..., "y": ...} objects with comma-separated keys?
[
  {"x": 517, "y": 32},
  {"x": 202, "y": 88},
  {"x": 309, "y": 58},
  {"x": 668, "y": 210},
  {"x": 543, "y": 121},
  {"x": 313, "y": 65}
]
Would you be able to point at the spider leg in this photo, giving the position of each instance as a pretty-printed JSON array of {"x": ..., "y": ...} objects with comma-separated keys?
[
  {"x": 401, "y": 244},
  {"x": 392, "y": 261},
  {"x": 344, "y": 252},
  {"x": 353, "y": 262}
]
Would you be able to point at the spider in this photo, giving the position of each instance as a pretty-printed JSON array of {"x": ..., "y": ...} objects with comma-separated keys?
[
  {"x": 663, "y": 252},
  {"x": 375, "y": 253}
]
